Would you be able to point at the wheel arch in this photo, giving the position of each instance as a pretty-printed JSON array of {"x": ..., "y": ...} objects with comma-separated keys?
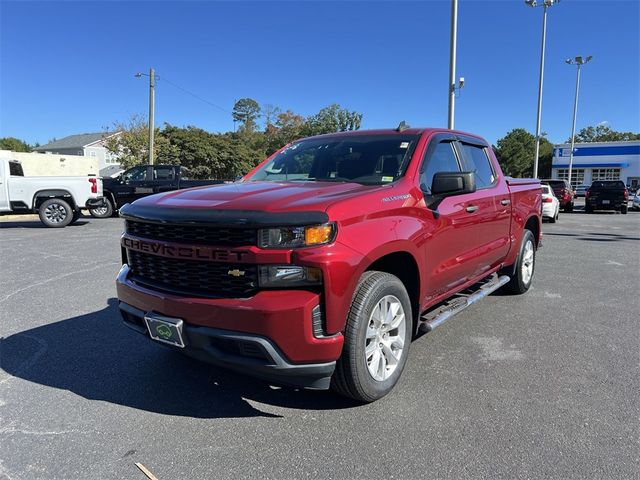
[
  {"x": 40, "y": 196},
  {"x": 404, "y": 265},
  {"x": 533, "y": 224}
]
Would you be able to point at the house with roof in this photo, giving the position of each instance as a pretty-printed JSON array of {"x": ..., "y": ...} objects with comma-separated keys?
[{"x": 88, "y": 144}]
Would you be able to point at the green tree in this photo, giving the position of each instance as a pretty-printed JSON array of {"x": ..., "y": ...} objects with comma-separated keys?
[
  {"x": 132, "y": 145},
  {"x": 246, "y": 111},
  {"x": 14, "y": 144},
  {"x": 515, "y": 152},
  {"x": 603, "y": 133},
  {"x": 331, "y": 119},
  {"x": 208, "y": 155}
]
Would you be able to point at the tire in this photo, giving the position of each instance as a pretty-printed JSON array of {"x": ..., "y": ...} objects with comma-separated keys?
[
  {"x": 588, "y": 209},
  {"x": 102, "y": 212},
  {"x": 363, "y": 372},
  {"x": 76, "y": 216},
  {"x": 55, "y": 213},
  {"x": 522, "y": 277},
  {"x": 568, "y": 207},
  {"x": 624, "y": 209}
]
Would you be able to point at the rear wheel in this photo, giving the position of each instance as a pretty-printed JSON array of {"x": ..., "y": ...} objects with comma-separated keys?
[
  {"x": 55, "y": 213},
  {"x": 525, "y": 265},
  {"x": 377, "y": 338},
  {"x": 588, "y": 209},
  {"x": 103, "y": 212},
  {"x": 568, "y": 207},
  {"x": 76, "y": 215},
  {"x": 623, "y": 209}
]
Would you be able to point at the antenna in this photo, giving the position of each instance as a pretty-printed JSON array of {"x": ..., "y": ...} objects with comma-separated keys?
[{"x": 402, "y": 126}]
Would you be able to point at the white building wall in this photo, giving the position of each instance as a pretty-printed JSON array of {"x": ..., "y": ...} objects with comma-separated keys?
[{"x": 598, "y": 161}]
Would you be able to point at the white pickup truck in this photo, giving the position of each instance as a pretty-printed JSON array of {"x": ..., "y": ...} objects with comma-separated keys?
[{"x": 57, "y": 200}]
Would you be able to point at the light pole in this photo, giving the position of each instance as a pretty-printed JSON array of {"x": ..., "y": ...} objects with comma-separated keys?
[
  {"x": 579, "y": 61},
  {"x": 152, "y": 102},
  {"x": 545, "y": 4},
  {"x": 452, "y": 63}
]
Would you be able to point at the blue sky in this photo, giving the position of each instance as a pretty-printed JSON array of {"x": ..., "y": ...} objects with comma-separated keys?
[{"x": 68, "y": 67}]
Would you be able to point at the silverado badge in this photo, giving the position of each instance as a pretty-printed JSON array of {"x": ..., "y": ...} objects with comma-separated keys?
[{"x": 236, "y": 273}]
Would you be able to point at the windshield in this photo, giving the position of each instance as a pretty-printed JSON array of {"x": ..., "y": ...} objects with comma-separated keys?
[
  {"x": 611, "y": 185},
  {"x": 365, "y": 159}
]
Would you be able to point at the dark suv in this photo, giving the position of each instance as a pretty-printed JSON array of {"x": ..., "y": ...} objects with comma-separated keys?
[
  {"x": 606, "y": 195},
  {"x": 563, "y": 191}
]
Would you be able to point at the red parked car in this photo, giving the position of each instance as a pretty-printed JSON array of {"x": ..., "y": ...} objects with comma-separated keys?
[
  {"x": 563, "y": 192},
  {"x": 324, "y": 262}
]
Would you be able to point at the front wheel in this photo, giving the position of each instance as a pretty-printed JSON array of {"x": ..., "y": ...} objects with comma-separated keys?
[
  {"x": 525, "y": 265},
  {"x": 55, "y": 213},
  {"x": 377, "y": 338},
  {"x": 102, "y": 212}
]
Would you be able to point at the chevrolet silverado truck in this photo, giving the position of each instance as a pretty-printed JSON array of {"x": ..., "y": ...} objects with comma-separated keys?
[
  {"x": 322, "y": 264},
  {"x": 57, "y": 200},
  {"x": 143, "y": 180},
  {"x": 606, "y": 195}
]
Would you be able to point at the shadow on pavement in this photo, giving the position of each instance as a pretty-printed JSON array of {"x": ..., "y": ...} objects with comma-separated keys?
[
  {"x": 37, "y": 224},
  {"x": 97, "y": 357}
]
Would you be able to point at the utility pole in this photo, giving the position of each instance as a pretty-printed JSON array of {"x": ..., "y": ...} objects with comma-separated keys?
[
  {"x": 579, "y": 61},
  {"x": 152, "y": 108},
  {"x": 545, "y": 5},
  {"x": 452, "y": 63}
]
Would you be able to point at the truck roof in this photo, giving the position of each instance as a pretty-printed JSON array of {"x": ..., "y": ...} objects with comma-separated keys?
[{"x": 395, "y": 131}]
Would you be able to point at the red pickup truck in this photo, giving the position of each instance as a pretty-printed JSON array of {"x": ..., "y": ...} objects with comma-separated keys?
[{"x": 321, "y": 265}]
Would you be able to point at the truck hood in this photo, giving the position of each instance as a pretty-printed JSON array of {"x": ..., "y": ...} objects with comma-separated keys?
[{"x": 259, "y": 196}]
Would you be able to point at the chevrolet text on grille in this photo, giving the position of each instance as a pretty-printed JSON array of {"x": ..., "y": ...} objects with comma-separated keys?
[{"x": 180, "y": 251}]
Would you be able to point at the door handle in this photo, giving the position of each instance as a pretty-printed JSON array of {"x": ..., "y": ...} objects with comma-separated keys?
[
  {"x": 505, "y": 202},
  {"x": 471, "y": 208}
]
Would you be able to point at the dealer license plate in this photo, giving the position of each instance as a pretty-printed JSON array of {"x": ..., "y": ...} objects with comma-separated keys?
[{"x": 165, "y": 329}]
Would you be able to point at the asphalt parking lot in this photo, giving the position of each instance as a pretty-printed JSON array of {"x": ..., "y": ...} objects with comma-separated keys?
[{"x": 539, "y": 386}]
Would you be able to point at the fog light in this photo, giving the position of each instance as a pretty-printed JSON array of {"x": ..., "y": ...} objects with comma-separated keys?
[{"x": 289, "y": 276}]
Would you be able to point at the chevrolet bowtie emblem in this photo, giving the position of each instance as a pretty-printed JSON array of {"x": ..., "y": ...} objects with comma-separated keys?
[{"x": 236, "y": 273}]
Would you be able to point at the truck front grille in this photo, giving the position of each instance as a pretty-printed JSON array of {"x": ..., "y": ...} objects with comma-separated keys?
[
  {"x": 193, "y": 277},
  {"x": 193, "y": 234}
]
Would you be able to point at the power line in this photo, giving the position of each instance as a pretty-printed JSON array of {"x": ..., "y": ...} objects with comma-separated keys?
[{"x": 163, "y": 78}]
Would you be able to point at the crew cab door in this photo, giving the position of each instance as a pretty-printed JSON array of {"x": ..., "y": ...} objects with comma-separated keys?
[
  {"x": 133, "y": 185},
  {"x": 4, "y": 187},
  {"x": 163, "y": 178},
  {"x": 493, "y": 201},
  {"x": 450, "y": 244}
]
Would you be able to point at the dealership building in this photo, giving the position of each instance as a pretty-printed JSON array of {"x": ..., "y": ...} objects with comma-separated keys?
[{"x": 598, "y": 161}]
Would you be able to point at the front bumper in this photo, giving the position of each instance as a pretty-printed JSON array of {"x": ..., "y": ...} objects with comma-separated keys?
[
  {"x": 278, "y": 323},
  {"x": 241, "y": 352},
  {"x": 95, "y": 203}
]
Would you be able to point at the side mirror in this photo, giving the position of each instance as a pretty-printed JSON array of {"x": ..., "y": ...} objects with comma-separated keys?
[{"x": 453, "y": 183}]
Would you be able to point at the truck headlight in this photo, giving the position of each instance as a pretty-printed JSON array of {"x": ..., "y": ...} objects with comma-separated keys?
[
  {"x": 289, "y": 276},
  {"x": 292, "y": 237}
]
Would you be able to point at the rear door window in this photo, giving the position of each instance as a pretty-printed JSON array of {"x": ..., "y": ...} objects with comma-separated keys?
[
  {"x": 477, "y": 161},
  {"x": 15, "y": 169},
  {"x": 163, "y": 173}
]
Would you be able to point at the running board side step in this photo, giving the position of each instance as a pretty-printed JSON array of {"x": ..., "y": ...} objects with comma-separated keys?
[{"x": 462, "y": 300}]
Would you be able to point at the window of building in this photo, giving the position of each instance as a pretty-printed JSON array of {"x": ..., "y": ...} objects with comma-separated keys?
[
  {"x": 92, "y": 153},
  {"x": 605, "y": 174},
  {"x": 577, "y": 176}
]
